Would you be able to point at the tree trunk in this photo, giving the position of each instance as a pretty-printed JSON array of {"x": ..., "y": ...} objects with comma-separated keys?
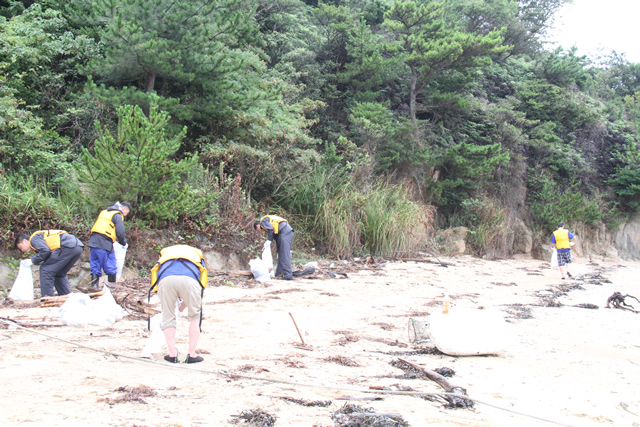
[
  {"x": 412, "y": 94},
  {"x": 151, "y": 81}
]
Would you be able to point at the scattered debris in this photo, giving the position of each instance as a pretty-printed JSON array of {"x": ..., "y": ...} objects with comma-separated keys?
[
  {"x": 286, "y": 291},
  {"x": 456, "y": 397},
  {"x": 504, "y": 284},
  {"x": 587, "y": 305},
  {"x": 255, "y": 418},
  {"x": 354, "y": 416},
  {"x": 131, "y": 394},
  {"x": 518, "y": 311},
  {"x": 384, "y": 326},
  {"x": 342, "y": 360},
  {"x": 321, "y": 403},
  {"x": 445, "y": 372},
  {"x": 293, "y": 363}
]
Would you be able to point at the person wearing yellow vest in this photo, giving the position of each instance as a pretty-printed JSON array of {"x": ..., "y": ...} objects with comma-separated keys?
[
  {"x": 180, "y": 276},
  {"x": 108, "y": 228},
  {"x": 56, "y": 252},
  {"x": 562, "y": 240},
  {"x": 278, "y": 229}
]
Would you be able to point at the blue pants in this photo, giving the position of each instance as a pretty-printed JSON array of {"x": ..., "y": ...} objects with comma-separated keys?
[{"x": 99, "y": 259}]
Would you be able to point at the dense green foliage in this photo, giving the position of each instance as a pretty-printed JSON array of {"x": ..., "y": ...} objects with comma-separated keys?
[{"x": 210, "y": 112}]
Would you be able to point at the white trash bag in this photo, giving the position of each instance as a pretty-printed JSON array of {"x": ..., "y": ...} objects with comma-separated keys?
[
  {"x": 260, "y": 270},
  {"x": 105, "y": 310},
  {"x": 80, "y": 310},
  {"x": 469, "y": 332},
  {"x": 267, "y": 257},
  {"x": 120, "y": 253},
  {"x": 75, "y": 311},
  {"x": 554, "y": 259},
  {"x": 156, "y": 340},
  {"x": 22, "y": 289}
]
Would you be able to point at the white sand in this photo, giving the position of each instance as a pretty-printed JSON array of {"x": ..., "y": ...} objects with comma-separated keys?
[{"x": 569, "y": 365}]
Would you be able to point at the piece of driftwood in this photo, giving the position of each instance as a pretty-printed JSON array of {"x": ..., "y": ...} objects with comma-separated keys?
[
  {"x": 617, "y": 301},
  {"x": 59, "y": 300},
  {"x": 455, "y": 401},
  {"x": 430, "y": 261},
  {"x": 231, "y": 273},
  {"x": 296, "y": 325},
  {"x": 363, "y": 399}
]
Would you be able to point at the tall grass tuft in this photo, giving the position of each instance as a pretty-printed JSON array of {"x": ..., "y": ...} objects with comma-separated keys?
[
  {"x": 27, "y": 206},
  {"x": 392, "y": 223},
  {"x": 382, "y": 221},
  {"x": 337, "y": 222}
]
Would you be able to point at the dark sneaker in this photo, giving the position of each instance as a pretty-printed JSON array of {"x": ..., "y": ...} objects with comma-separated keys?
[
  {"x": 569, "y": 274},
  {"x": 196, "y": 359},
  {"x": 170, "y": 359}
]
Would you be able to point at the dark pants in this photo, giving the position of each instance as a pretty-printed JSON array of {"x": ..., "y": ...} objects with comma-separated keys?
[
  {"x": 284, "y": 241},
  {"x": 53, "y": 272}
]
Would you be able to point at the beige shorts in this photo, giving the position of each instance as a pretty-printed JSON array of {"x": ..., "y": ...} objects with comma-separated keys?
[{"x": 185, "y": 287}]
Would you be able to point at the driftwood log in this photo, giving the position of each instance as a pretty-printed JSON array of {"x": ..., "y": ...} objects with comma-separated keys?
[
  {"x": 430, "y": 261},
  {"x": 457, "y": 402},
  {"x": 58, "y": 301}
]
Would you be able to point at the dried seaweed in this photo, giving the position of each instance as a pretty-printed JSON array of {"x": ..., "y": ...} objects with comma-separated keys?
[
  {"x": 293, "y": 363},
  {"x": 131, "y": 394},
  {"x": 255, "y": 418},
  {"x": 353, "y": 416},
  {"x": 342, "y": 360},
  {"x": 286, "y": 291},
  {"x": 587, "y": 305},
  {"x": 320, "y": 403}
]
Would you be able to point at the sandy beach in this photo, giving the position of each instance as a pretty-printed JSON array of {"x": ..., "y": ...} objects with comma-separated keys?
[{"x": 562, "y": 364}]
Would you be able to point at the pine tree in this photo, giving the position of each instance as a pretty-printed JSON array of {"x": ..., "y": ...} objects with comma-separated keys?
[
  {"x": 195, "y": 54},
  {"x": 136, "y": 163},
  {"x": 430, "y": 46}
]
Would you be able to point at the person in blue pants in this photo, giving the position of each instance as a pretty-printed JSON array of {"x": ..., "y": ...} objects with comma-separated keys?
[{"x": 108, "y": 228}]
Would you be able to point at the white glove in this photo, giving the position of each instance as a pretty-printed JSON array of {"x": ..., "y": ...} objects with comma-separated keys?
[
  {"x": 267, "y": 245},
  {"x": 126, "y": 246},
  {"x": 26, "y": 262},
  {"x": 572, "y": 243}
]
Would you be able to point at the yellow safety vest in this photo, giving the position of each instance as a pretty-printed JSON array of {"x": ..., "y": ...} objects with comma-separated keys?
[
  {"x": 176, "y": 252},
  {"x": 562, "y": 239},
  {"x": 275, "y": 222},
  {"x": 51, "y": 238},
  {"x": 104, "y": 224}
]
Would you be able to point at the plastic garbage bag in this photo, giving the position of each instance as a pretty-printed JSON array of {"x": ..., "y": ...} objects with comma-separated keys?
[
  {"x": 156, "y": 340},
  {"x": 260, "y": 270},
  {"x": 469, "y": 332},
  {"x": 312, "y": 264},
  {"x": 267, "y": 257},
  {"x": 120, "y": 253},
  {"x": 554, "y": 259},
  {"x": 22, "y": 289},
  {"x": 80, "y": 311},
  {"x": 75, "y": 311},
  {"x": 105, "y": 311}
]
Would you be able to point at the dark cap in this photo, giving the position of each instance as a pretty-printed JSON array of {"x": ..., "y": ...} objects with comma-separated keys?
[{"x": 561, "y": 224}]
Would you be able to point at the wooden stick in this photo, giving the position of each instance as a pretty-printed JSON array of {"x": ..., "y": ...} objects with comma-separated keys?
[{"x": 296, "y": 325}]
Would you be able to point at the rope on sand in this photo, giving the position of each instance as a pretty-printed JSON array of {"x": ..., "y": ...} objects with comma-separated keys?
[{"x": 268, "y": 380}]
